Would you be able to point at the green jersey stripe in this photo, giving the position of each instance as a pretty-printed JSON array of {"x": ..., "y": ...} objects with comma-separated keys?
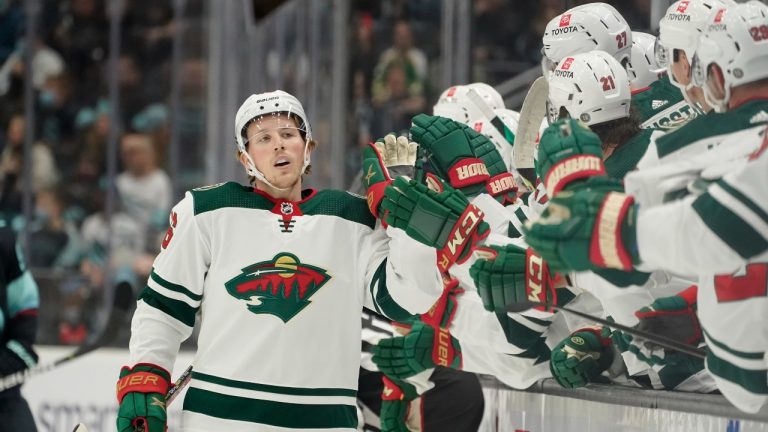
[
  {"x": 171, "y": 307},
  {"x": 279, "y": 414},
  {"x": 744, "y": 200},
  {"x": 174, "y": 287},
  {"x": 273, "y": 388},
  {"x": 732, "y": 229},
  {"x": 752, "y": 380},
  {"x": 757, "y": 355},
  {"x": 382, "y": 300}
]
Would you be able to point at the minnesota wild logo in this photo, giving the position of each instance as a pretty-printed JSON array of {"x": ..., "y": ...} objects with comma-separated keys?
[{"x": 281, "y": 287}]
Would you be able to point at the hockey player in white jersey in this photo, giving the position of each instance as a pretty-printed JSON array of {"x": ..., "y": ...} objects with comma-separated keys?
[
  {"x": 279, "y": 275},
  {"x": 718, "y": 228},
  {"x": 598, "y": 26}
]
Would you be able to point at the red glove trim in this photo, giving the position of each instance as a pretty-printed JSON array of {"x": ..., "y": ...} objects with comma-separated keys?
[
  {"x": 538, "y": 280},
  {"x": 502, "y": 184},
  {"x": 374, "y": 196},
  {"x": 607, "y": 248},
  {"x": 442, "y": 347},
  {"x": 390, "y": 392},
  {"x": 460, "y": 237},
  {"x": 690, "y": 294},
  {"x": 570, "y": 169},
  {"x": 605, "y": 341},
  {"x": 466, "y": 172},
  {"x": 142, "y": 382}
]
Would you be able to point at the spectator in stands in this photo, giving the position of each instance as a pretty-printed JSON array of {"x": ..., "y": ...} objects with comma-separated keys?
[
  {"x": 145, "y": 189},
  {"x": 404, "y": 55},
  {"x": 44, "y": 170},
  {"x": 397, "y": 101},
  {"x": 153, "y": 121},
  {"x": 56, "y": 112},
  {"x": 495, "y": 24},
  {"x": 56, "y": 240},
  {"x": 11, "y": 28},
  {"x": 81, "y": 36}
]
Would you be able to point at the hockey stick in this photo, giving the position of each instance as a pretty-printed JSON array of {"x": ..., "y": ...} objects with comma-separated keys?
[
  {"x": 174, "y": 391},
  {"x": 657, "y": 339},
  {"x": 120, "y": 305},
  {"x": 533, "y": 111}
]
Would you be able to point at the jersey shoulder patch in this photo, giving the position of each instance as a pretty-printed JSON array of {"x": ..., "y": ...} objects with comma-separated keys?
[
  {"x": 229, "y": 194},
  {"x": 339, "y": 203},
  {"x": 710, "y": 125}
]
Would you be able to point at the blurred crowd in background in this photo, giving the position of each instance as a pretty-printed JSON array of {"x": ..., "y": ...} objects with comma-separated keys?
[{"x": 74, "y": 252}]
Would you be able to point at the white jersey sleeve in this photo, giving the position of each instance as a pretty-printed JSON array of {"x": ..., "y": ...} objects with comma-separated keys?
[
  {"x": 401, "y": 277},
  {"x": 729, "y": 223},
  {"x": 165, "y": 313}
]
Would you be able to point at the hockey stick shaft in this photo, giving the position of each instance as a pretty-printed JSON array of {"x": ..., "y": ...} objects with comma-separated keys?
[
  {"x": 533, "y": 111},
  {"x": 121, "y": 303},
  {"x": 657, "y": 339}
]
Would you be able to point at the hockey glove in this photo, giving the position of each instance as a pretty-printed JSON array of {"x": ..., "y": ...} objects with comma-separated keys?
[
  {"x": 467, "y": 160},
  {"x": 141, "y": 394},
  {"x": 421, "y": 349},
  {"x": 588, "y": 228},
  {"x": 512, "y": 276},
  {"x": 673, "y": 317},
  {"x": 568, "y": 152},
  {"x": 581, "y": 358},
  {"x": 396, "y": 400},
  {"x": 443, "y": 220}
]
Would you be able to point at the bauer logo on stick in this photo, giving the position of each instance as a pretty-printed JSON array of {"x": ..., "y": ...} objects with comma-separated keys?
[{"x": 280, "y": 287}]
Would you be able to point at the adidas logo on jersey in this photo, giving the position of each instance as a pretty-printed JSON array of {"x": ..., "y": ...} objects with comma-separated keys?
[
  {"x": 761, "y": 117},
  {"x": 656, "y": 104}
]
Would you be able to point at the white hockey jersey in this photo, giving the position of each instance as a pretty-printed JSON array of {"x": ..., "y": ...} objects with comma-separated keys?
[{"x": 279, "y": 286}]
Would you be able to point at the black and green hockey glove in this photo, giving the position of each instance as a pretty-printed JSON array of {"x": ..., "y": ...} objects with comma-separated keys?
[
  {"x": 581, "y": 358},
  {"x": 443, "y": 220},
  {"x": 396, "y": 400},
  {"x": 465, "y": 159},
  {"x": 421, "y": 349}
]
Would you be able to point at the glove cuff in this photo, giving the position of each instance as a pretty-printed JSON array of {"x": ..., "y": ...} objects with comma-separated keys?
[
  {"x": 502, "y": 185},
  {"x": 539, "y": 284},
  {"x": 607, "y": 248},
  {"x": 467, "y": 172},
  {"x": 460, "y": 237},
  {"x": 142, "y": 378},
  {"x": 571, "y": 169},
  {"x": 446, "y": 350}
]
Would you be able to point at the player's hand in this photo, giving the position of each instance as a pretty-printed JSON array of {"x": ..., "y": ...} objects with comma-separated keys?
[
  {"x": 465, "y": 159},
  {"x": 673, "y": 317},
  {"x": 590, "y": 227},
  {"x": 511, "y": 276},
  {"x": 421, "y": 349},
  {"x": 443, "y": 220},
  {"x": 396, "y": 400},
  {"x": 581, "y": 358},
  {"x": 141, "y": 394},
  {"x": 568, "y": 152}
]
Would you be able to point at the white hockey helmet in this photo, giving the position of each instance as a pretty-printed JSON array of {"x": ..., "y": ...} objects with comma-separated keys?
[
  {"x": 502, "y": 135},
  {"x": 644, "y": 70},
  {"x": 464, "y": 103},
  {"x": 679, "y": 29},
  {"x": 270, "y": 103},
  {"x": 592, "y": 87},
  {"x": 736, "y": 40},
  {"x": 589, "y": 27}
]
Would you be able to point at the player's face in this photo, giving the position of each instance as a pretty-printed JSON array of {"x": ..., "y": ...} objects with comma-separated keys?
[{"x": 276, "y": 147}]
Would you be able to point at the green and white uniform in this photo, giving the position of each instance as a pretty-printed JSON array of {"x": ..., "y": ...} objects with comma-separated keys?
[
  {"x": 661, "y": 106},
  {"x": 279, "y": 286},
  {"x": 722, "y": 235}
]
